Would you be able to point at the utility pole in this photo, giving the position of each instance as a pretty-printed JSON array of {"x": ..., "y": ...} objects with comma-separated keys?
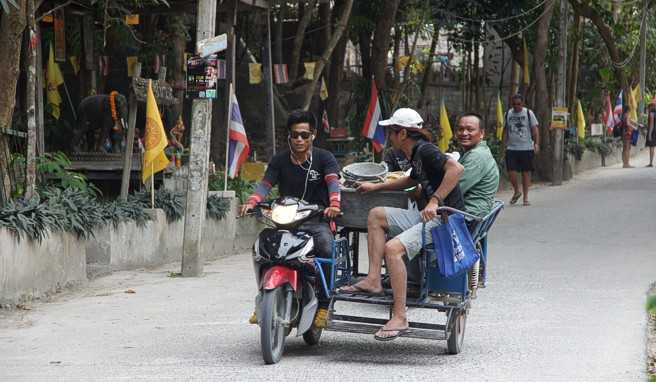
[
  {"x": 201, "y": 126},
  {"x": 269, "y": 109},
  {"x": 558, "y": 147},
  {"x": 643, "y": 62}
]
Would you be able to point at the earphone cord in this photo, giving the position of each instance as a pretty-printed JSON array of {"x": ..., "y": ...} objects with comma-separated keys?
[{"x": 307, "y": 175}]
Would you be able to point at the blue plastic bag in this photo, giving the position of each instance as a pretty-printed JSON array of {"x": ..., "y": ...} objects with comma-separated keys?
[
  {"x": 454, "y": 247},
  {"x": 634, "y": 137}
]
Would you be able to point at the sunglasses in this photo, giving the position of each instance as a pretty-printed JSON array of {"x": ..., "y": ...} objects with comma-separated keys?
[{"x": 303, "y": 134}]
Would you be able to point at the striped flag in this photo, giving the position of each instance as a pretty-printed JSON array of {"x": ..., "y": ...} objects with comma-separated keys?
[
  {"x": 325, "y": 123},
  {"x": 221, "y": 69},
  {"x": 371, "y": 129},
  {"x": 280, "y": 74},
  {"x": 607, "y": 116},
  {"x": 238, "y": 148}
]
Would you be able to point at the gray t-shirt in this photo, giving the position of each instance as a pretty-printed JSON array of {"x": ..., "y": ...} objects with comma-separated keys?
[{"x": 519, "y": 130}]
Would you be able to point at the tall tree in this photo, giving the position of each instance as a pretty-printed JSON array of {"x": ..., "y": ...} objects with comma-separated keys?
[
  {"x": 340, "y": 27},
  {"x": 381, "y": 42},
  {"x": 12, "y": 25},
  {"x": 304, "y": 21}
]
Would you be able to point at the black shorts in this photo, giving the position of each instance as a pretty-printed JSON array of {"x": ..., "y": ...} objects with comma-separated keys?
[{"x": 521, "y": 161}]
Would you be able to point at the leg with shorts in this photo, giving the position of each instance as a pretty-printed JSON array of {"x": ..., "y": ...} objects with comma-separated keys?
[
  {"x": 520, "y": 161},
  {"x": 407, "y": 243}
]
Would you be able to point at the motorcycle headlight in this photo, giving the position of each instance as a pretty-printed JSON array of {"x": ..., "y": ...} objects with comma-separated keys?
[{"x": 284, "y": 214}]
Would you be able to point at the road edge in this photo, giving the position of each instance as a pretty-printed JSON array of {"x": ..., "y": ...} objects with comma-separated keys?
[{"x": 651, "y": 337}]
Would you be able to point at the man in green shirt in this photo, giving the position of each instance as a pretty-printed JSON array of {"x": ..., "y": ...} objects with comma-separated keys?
[{"x": 480, "y": 180}]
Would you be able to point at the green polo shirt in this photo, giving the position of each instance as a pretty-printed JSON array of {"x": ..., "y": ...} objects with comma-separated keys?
[{"x": 480, "y": 180}]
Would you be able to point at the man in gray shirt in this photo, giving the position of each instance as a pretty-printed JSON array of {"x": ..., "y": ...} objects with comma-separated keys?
[{"x": 522, "y": 140}]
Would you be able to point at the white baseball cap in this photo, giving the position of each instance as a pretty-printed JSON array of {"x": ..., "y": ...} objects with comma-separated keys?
[{"x": 404, "y": 117}]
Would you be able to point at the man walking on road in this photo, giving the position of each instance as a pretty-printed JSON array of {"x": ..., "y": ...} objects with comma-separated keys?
[{"x": 522, "y": 140}]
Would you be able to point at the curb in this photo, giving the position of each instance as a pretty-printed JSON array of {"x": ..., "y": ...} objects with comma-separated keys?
[{"x": 651, "y": 338}]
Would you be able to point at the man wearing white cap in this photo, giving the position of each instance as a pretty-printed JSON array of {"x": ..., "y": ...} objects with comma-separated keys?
[{"x": 438, "y": 176}]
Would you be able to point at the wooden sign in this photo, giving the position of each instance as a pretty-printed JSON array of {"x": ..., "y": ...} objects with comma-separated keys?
[
  {"x": 60, "y": 36},
  {"x": 212, "y": 45}
]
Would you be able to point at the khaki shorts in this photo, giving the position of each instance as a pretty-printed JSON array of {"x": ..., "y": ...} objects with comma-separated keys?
[{"x": 406, "y": 225}]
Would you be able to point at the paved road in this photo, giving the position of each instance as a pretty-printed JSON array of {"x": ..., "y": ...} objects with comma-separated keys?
[{"x": 564, "y": 303}]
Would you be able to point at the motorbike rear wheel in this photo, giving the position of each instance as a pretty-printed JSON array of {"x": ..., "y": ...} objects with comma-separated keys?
[{"x": 272, "y": 331}]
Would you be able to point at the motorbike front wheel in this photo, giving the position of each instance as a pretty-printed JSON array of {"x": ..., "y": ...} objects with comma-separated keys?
[{"x": 272, "y": 331}]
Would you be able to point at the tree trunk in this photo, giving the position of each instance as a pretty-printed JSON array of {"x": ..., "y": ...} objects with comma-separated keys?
[
  {"x": 323, "y": 60},
  {"x": 277, "y": 48},
  {"x": 12, "y": 26},
  {"x": 428, "y": 66},
  {"x": 381, "y": 42},
  {"x": 606, "y": 33},
  {"x": 30, "y": 102},
  {"x": 364, "y": 43},
  {"x": 177, "y": 65},
  {"x": 542, "y": 105},
  {"x": 573, "y": 75},
  {"x": 295, "y": 59},
  {"x": 334, "y": 85},
  {"x": 324, "y": 34},
  {"x": 402, "y": 87}
]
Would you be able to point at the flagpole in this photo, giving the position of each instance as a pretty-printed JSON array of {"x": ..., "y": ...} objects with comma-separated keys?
[
  {"x": 68, "y": 96},
  {"x": 152, "y": 185},
  {"x": 227, "y": 152}
]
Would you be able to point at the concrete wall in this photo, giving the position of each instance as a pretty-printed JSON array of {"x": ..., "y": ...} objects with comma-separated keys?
[
  {"x": 159, "y": 242},
  {"x": 31, "y": 270}
]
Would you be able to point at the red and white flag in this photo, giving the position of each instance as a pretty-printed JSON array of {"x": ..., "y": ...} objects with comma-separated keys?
[
  {"x": 607, "y": 115},
  {"x": 280, "y": 74},
  {"x": 325, "y": 123},
  {"x": 239, "y": 147},
  {"x": 371, "y": 129}
]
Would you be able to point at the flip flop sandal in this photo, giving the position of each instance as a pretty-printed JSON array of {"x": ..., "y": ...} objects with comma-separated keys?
[
  {"x": 354, "y": 289},
  {"x": 399, "y": 333},
  {"x": 515, "y": 198}
]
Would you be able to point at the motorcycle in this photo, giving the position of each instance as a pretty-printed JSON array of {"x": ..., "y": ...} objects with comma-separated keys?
[{"x": 283, "y": 260}]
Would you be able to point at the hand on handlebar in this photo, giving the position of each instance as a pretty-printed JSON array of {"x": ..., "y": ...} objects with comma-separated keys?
[
  {"x": 331, "y": 212},
  {"x": 245, "y": 208}
]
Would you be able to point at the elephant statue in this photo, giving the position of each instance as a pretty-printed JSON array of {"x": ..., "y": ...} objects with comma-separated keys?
[{"x": 100, "y": 123}]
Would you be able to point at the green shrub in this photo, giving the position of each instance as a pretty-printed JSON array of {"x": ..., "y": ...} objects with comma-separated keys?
[
  {"x": 651, "y": 304},
  {"x": 217, "y": 207},
  {"x": 170, "y": 202}
]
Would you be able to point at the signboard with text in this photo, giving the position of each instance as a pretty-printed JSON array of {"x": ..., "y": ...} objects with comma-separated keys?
[
  {"x": 202, "y": 77},
  {"x": 559, "y": 118}
]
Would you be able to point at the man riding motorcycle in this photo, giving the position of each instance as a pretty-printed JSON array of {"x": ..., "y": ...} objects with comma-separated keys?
[{"x": 311, "y": 174}]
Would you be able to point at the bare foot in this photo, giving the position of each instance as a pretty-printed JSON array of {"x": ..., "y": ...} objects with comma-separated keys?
[
  {"x": 627, "y": 166},
  {"x": 363, "y": 286},
  {"x": 392, "y": 329}
]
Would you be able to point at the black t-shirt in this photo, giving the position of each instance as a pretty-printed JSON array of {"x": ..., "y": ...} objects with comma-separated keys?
[
  {"x": 396, "y": 161},
  {"x": 291, "y": 178},
  {"x": 428, "y": 169}
]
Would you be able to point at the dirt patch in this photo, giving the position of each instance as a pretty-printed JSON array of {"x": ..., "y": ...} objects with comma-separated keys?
[{"x": 651, "y": 334}]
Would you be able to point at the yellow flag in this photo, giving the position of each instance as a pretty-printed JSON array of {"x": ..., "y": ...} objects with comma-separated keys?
[
  {"x": 500, "y": 119},
  {"x": 445, "y": 127},
  {"x": 309, "y": 70},
  {"x": 580, "y": 121},
  {"x": 154, "y": 159},
  {"x": 323, "y": 94},
  {"x": 54, "y": 78},
  {"x": 254, "y": 73},
  {"x": 131, "y": 62},
  {"x": 402, "y": 63},
  {"x": 527, "y": 75},
  {"x": 633, "y": 105}
]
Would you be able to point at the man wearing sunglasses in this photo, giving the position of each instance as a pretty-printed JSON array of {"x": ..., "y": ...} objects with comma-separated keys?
[
  {"x": 308, "y": 173},
  {"x": 438, "y": 176}
]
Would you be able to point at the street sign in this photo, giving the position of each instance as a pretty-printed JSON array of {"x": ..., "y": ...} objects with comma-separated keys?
[
  {"x": 212, "y": 45},
  {"x": 559, "y": 118},
  {"x": 202, "y": 77}
]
